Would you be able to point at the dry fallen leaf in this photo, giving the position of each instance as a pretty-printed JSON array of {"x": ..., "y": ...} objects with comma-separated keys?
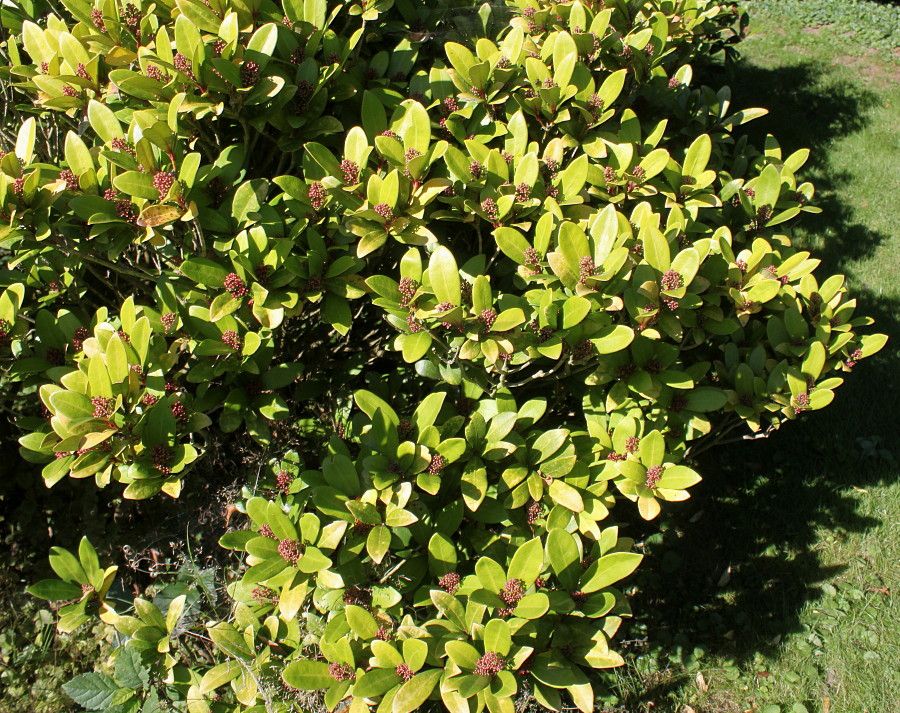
[{"x": 701, "y": 682}]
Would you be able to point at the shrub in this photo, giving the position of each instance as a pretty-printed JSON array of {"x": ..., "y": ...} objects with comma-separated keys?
[{"x": 468, "y": 278}]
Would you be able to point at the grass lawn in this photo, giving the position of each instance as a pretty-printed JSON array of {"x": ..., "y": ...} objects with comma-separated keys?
[{"x": 775, "y": 589}]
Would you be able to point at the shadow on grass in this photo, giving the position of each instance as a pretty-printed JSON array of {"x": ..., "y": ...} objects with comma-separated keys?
[{"x": 734, "y": 566}]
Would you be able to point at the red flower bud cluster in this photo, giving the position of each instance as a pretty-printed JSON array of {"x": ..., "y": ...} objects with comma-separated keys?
[
  {"x": 317, "y": 195},
  {"x": 489, "y": 206},
  {"x": 350, "y": 171},
  {"x": 78, "y": 338},
  {"x": 131, "y": 15},
  {"x": 488, "y": 317},
  {"x": 404, "y": 428},
  {"x": 104, "y": 406},
  {"x": 491, "y": 663},
  {"x": 283, "y": 480},
  {"x": 437, "y": 464},
  {"x": 183, "y": 64},
  {"x": 407, "y": 287},
  {"x": 532, "y": 260},
  {"x": 161, "y": 457},
  {"x": 404, "y": 672},
  {"x": 449, "y": 582},
  {"x": 586, "y": 269},
  {"x": 162, "y": 182},
  {"x": 290, "y": 551},
  {"x": 414, "y": 324},
  {"x": 654, "y": 473},
  {"x": 235, "y": 286},
  {"x": 179, "y": 411},
  {"x": 341, "y": 672},
  {"x": 409, "y": 155},
  {"x": 671, "y": 280},
  {"x": 154, "y": 72},
  {"x": 97, "y": 19},
  {"x": 384, "y": 210},
  {"x": 232, "y": 339},
  {"x": 249, "y": 73},
  {"x": 513, "y": 592}
]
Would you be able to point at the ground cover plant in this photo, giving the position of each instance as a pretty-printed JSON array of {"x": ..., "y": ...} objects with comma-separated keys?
[{"x": 370, "y": 237}]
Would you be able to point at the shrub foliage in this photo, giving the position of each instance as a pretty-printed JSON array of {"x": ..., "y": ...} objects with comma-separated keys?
[{"x": 468, "y": 276}]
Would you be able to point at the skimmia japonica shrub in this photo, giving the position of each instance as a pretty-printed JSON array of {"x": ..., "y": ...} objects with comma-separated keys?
[{"x": 474, "y": 275}]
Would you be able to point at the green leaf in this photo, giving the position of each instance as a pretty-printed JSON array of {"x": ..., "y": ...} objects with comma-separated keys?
[
  {"x": 130, "y": 671},
  {"x": 460, "y": 57},
  {"x": 497, "y": 637},
  {"x": 549, "y": 442},
  {"x": 415, "y": 128},
  {"x": 528, "y": 561},
  {"x": 204, "y": 272},
  {"x": 678, "y": 477},
  {"x": 414, "y": 346},
  {"x": 611, "y": 88},
  {"x": 54, "y": 589},
  {"x": 512, "y": 243},
  {"x": 462, "y": 653},
  {"x": 416, "y": 691},
  {"x": 66, "y": 566},
  {"x": 656, "y": 247},
  {"x": 308, "y": 675},
  {"x": 768, "y": 187},
  {"x": 376, "y": 683},
  {"x": 532, "y": 606},
  {"x": 199, "y": 15},
  {"x": 490, "y": 574},
  {"x": 565, "y": 559},
  {"x": 361, "y": 622},
  {"x": 370, "y": 404},
  {"x": 228, "y": 639},
  {"x": 444, "y": 275},
  {"x": 219, "y": 675},
  {"x": 652, "y": 449},
  {"x": 223, "y": 305},
  {"x": 378, "y": 542},
  {"x": 94, "y": 691},
  {"x": 450, "y": 607},
  {"x": 610, "y": 340},
  {"x": 575, "y": 309},
  {"x": 25, "y": 140},
  {"x": 135, "y": 183},
  {"x": 697, "y": 156},
  {"x": 609, "y": 569}
]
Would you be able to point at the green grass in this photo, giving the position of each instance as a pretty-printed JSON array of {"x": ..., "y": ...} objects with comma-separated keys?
[{"x": 777, "y": 582}]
